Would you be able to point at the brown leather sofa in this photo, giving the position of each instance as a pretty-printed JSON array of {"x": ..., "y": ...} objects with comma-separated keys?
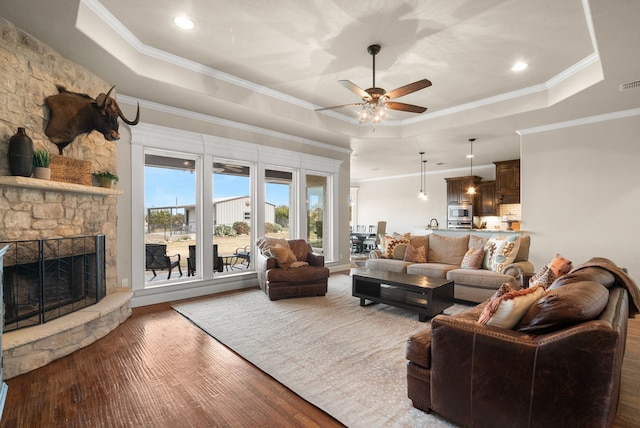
[
  {"x": 478, "y": 375},
  {"x": 279, "y": 281}
]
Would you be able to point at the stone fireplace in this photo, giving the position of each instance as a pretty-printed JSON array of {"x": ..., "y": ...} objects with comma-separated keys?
[
  {"x": 33, "y": 209},
  {"x": 45, "y": 279}
]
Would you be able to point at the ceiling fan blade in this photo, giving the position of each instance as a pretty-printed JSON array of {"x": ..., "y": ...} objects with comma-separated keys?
[
  {"x": 354, "y": 88},
  {"x": 405, "y": 107},
  {"x": 407, "y": 89},
  {"x": 335, "y": 107}
]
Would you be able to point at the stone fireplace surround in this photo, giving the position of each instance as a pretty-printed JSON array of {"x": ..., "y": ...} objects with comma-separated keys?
[
  {"x": 31, "y": 207},
  {"x": 38, "y": 209}
]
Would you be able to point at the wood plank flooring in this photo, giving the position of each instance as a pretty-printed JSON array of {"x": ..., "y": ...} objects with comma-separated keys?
[{"x": 159, "y": 370}]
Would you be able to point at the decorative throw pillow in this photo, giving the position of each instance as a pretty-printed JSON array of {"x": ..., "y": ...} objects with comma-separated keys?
[
  {"x": 473, "y": 259},
  {"x": 399, "y": 250},
  {"x": 507, "y": 310},
  {"x": 283, "y": 255},
  {"x": 556, "y": 268},
  {"x": 391, "y": 244},
  {"x": 564, "y": 306},
  {"x": 415, "y": 255},
  {"x": 447, "y": 249},
  {"x": 500, "y": 251}
]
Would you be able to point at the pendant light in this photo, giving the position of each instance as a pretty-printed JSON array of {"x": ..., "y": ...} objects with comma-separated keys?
[
  {"x": 471, "y": 190},
  {"x": 421, "y": 194},
  {"x": 424, "y": 180}
]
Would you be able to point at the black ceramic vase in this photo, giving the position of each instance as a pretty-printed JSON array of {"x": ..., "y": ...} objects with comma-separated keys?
[{"x": 21, "y": 154}]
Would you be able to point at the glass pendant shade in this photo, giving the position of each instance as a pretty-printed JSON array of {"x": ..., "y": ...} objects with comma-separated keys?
[{"x": 471, "y": 190}]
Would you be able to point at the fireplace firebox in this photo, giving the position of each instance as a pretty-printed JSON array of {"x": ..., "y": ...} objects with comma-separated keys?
[{"x": 48, "y": 278}]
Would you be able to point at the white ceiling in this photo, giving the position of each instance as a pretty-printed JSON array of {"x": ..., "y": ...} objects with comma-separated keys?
[{"x": 271, "y": 63}]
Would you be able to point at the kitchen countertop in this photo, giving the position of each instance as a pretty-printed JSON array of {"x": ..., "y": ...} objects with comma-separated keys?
[{"x": 492, "y": 231}]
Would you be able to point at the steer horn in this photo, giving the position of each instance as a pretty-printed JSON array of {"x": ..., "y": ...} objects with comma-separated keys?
[
  {"x": 102, "y": 99},
  {"x": 127, "y": 121}
]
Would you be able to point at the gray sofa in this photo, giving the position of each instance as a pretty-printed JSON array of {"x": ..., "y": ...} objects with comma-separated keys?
[{"x": 444, "y": 257}]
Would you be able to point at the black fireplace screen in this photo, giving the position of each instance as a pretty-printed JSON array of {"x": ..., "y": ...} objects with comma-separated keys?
[{"x": 48, "y": 278}]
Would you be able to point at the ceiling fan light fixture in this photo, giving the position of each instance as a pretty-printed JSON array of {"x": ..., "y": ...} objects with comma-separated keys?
[{"x": 375, "y": 101}]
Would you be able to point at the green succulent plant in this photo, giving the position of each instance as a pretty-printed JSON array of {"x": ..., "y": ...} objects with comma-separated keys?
[
  {"x": 41, "y": 158},
  {"x": 106, "y": 175}
]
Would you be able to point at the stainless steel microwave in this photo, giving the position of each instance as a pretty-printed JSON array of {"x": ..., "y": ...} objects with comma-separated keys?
[{"x": 460, "y": 212}]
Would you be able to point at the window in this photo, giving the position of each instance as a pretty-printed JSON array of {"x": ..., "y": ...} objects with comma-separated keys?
[
  {"x": 278, "y": 196},
  {"x": 170, "y": 215},
  {"x": 184, "y": 199},
  {"x": 316, "y": 190},
  {"x": 232, "y": 203}
]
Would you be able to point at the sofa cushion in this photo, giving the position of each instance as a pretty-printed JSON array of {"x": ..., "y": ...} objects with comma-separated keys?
[
  {"x": 432, "y": 270},
  {"x": 473, "y": 258},
  {"x": 480, "y": 278},
  {"x": 501, "y": 250},
  {"x": 508, "y": 306},
  {"x": 447, "y": 249},
  {"x": 478, "y": 241},
  {"x": 565, "y": 306},
  {"x": 523, "y": 251},
  {"x": 420, "y": 241},
  {"x": 307, "y": 274},
  {"x": 389, "y": 265},
  {"x": 592, "y": 273},
  {"x": 415, "y": 255}
]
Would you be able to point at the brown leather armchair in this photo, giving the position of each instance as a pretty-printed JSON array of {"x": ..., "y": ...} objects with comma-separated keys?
[
  {"x": 279, "y": 283},
  {"x": 484, "y": 376}
]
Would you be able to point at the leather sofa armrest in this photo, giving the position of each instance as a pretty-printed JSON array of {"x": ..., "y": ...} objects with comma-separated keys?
[
  {"x": 419, "y": 348},
  {"x": 315, "y": 259}
]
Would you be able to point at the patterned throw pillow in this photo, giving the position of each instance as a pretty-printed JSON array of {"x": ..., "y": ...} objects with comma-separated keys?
[
  {"x": 415, "y": 255},
  {"x": 473, "y": 259},
  {"x": 556, "y": 268},
  {"x": 501, "y": 250},
  {"x": 391, "y": 244},
  {"x": 509, "y": 307}
]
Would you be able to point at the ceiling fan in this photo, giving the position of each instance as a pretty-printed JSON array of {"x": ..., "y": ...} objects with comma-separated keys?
[
  {"x": 219, "y": 168},
  {"x": 376, "y": 100}
]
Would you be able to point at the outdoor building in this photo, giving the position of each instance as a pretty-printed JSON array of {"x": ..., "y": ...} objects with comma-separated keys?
[{"x": 226, "y": 211}]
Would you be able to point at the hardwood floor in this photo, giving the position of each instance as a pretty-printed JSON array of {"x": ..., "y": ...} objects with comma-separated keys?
[{"x": 159, "y": 370}]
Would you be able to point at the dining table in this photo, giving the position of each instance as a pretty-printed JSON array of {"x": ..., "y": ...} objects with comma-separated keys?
[{"x": 361, "y": 237}]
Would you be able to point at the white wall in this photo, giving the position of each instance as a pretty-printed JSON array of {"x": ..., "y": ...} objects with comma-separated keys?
[
  {"x": 581, "y": 192},
  {"x": 395, "y": 200}
]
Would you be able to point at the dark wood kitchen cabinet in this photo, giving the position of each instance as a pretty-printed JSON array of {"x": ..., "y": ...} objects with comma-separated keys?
[
  {"x": 487, "y": 203},
  {"x": 508, "y": 182},
  {"x": 457, "y": 189}
]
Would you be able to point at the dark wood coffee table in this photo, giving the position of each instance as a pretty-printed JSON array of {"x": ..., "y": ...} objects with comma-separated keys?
[{"x": 426, "y": 296}]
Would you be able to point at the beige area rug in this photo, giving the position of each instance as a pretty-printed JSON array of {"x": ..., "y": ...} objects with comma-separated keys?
[{"x": 346, "y": 359}]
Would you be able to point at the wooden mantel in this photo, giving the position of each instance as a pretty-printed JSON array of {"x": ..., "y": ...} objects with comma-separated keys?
[{"x": 35, "y": 183}]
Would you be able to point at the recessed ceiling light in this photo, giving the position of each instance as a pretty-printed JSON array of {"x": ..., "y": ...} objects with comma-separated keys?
[
  {"x": 184, "y": 23},
  {"x": 519, "y": 66}
]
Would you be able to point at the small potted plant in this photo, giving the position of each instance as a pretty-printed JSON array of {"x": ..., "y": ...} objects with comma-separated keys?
[
  {"x": 106, "y": 178},
  {"x": 41, "y": 161}
]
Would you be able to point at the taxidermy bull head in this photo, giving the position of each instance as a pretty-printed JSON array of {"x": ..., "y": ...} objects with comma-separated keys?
[{"x": 73, "y": 114}]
